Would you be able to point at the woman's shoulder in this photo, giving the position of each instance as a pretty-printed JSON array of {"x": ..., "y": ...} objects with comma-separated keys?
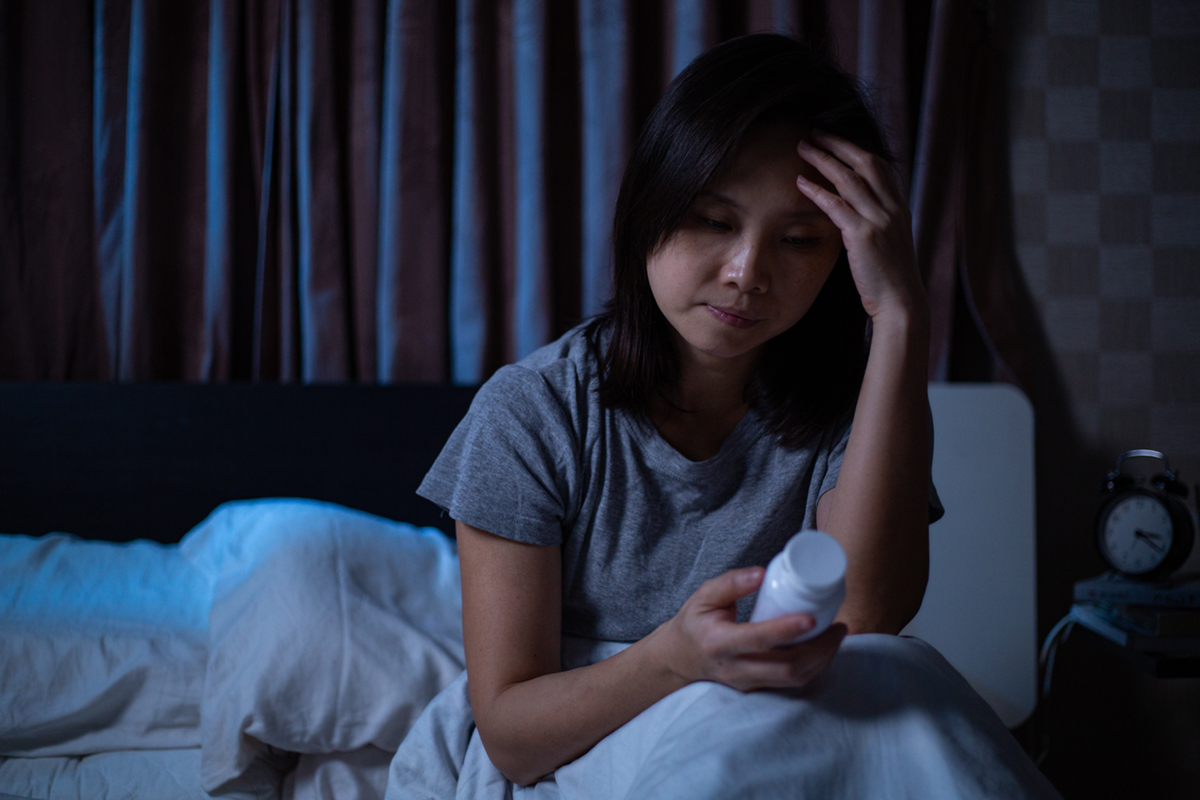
[
  {"x": 567, "y": 368},
  {"x": 556, "y": 383},
  {"x": 514, "y": 460},
  {"x": 576, "y": 351}
]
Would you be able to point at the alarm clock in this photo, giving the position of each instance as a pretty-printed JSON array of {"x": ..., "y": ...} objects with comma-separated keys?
[{"x": 1144, "y": 530}]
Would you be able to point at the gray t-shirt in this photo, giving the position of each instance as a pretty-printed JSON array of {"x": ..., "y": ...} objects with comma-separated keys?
[{"x": 538, "y": 460}]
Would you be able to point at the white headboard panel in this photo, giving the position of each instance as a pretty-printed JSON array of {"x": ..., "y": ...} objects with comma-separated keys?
[{"x": 980, "y": 609}]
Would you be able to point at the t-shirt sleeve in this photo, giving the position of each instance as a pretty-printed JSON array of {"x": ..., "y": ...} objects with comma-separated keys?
[
  {"x": 508, "y": 467},
  {"x": 936, "y": 509},
  {"x": 838, "y": 452},
  {"x": 833, "y": 463}
]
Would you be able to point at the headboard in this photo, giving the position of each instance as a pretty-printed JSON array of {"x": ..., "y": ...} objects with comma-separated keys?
[{"x": 128, "y": 461}]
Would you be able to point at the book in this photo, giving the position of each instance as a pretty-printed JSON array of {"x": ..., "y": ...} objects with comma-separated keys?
[
  {"x": 1099, "y": 620},
  {"x": 1159, "y": 621},
  {"x": 1182, "y": 591}
]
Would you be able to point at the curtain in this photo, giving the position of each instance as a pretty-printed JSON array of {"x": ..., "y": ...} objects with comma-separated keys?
[{"x": 404, "y": 190}]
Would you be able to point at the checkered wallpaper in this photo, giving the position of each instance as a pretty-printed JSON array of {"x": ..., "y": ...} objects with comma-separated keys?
[{"x": 1106, "y": 183}]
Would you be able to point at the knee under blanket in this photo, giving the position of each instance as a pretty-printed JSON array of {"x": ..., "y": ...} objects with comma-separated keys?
[{"x": 890, "y": 718}]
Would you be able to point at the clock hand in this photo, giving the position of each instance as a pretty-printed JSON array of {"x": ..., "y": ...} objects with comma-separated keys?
[{"x": 1151, "y": 538}]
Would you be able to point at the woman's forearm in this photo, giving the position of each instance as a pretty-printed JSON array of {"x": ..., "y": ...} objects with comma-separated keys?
[
  {"x": 879, "y": 509},
  {"x": 531, "y": 716},
  {"x": 532, "y": 727}
]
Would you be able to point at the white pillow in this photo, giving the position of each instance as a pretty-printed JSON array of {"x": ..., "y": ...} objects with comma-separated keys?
[
  {"x": 330, "y": 630},
  {"x": 103, "y": 646},
  {"x": 60, "y": 578}
]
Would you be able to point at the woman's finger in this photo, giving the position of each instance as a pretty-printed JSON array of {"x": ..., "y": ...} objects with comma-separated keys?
[
  {"x": 849, "y": 184},
  {"x": 827, "y": 642},
  {"x": 789, "y": 667},
  {"x": 844, "y": 215},
  {"x": 877, "y": 172},
  {"x": 725, "y": 589},
  {"x": 751, "y": 675},
  {"x": 764, "y": 637}
]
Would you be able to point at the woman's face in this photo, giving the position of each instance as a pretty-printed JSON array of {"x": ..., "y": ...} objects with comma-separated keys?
[{"x": 751, "y": 255}]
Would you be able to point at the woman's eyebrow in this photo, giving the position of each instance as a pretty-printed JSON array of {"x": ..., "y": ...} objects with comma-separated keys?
[
  {"x": 808, "y": 215},
  {"x": 815, "y": 215},
  {"x": 720, "y": 198}
]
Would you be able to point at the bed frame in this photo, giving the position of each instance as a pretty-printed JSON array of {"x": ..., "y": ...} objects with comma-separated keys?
[{"x": 149, "y": 461}]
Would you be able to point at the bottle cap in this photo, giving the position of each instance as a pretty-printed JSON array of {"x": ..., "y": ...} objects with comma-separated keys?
[{"x": 816, "y": 560}]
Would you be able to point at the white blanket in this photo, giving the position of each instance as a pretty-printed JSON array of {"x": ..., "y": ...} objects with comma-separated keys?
[
  {"x": 890, "y": 719},
  {"x": 357, "y": 775},
  {"x": 304, "y": 628}
]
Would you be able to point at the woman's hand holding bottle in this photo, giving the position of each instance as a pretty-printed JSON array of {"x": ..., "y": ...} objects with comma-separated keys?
[{"x": 703, "y": 641}]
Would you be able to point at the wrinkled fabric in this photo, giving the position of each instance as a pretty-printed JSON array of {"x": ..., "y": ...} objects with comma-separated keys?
[
  {"x": 71, "y": 691},
  {"x": 890, "y": 718},
  {"x": 141, "y": 774},
  {"x": 102, "y": 646},
  {"x": 330, "y": 631},
  {"x": 382, "y": 190},
  {"x": 357, "y": 775}
]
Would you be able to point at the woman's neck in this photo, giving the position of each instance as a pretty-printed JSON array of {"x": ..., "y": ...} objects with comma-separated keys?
[{"x": 705, "y": 404}]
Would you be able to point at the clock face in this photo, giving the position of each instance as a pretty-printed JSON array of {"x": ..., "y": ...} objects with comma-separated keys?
[{"x": 1137, "y": 533}]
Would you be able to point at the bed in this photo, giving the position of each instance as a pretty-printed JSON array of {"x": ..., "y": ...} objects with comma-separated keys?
[
  {"x": 117, "y": 463},
  {"x": 189, "y": 638}
]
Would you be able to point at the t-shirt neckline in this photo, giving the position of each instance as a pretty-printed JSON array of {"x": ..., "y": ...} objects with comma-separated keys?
[{"x": 663, "y": 457}]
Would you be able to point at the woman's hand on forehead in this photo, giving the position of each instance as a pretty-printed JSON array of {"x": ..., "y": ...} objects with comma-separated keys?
[{"x": 876, "y": 225}]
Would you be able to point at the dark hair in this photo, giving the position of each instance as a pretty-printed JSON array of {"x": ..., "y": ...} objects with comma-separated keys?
[{"x": 809, "y": 375}]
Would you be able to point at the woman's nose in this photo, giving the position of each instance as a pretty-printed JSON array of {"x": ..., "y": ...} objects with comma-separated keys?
[{"x": 748, "y": 269}]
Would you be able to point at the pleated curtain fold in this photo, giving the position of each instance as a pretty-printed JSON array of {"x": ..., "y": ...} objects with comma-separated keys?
[{"x": 405, "y": 190}]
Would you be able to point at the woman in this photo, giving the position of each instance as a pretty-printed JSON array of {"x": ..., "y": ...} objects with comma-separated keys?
[{"x": 626, "y": 483}]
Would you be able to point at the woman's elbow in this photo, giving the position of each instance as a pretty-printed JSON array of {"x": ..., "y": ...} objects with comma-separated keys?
[
  {"x": 909, "y": 592},
  {"x": 908, "y": 601},
  {"x": 519, "y": 770},
  {"x": 888, "y": 611},
  {"x": 506, "y": 752}
]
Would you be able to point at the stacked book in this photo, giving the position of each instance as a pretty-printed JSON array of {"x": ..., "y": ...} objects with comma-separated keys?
[{"x": 1159, "y": 618}]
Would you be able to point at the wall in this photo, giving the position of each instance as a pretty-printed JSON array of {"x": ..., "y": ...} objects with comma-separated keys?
[
  {"x": 1106, "y": 177},
  {"x": 1105, "y": 165}
]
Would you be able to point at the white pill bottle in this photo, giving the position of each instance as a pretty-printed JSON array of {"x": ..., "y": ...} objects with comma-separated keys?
[{"x": 809, "y": 577}]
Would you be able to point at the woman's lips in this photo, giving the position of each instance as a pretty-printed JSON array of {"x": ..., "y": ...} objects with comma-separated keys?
[{"x": 737, "y": 319}]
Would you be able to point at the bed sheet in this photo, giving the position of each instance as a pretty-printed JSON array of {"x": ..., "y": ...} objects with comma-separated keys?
[
  {"x": 120, "y": 775},
  {"x": 175, "y": 775}
]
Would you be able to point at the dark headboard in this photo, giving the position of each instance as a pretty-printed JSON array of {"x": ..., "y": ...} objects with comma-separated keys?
[{"x": 130, "y": 461}]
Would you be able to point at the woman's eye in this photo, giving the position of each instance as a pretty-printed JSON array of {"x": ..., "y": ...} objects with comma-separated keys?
[
  {"x": 713, "y": 224},
  {"x": 803, "y": 241}
]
